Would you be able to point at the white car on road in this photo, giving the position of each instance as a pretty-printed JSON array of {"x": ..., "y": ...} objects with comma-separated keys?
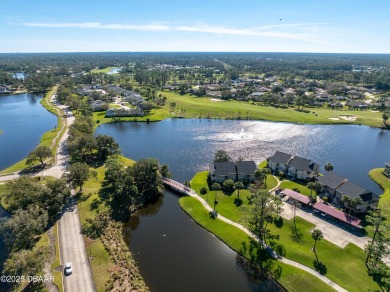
[{"x": 68, "y": 268}]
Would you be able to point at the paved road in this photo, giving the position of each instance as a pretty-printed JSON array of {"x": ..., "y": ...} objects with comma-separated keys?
[
  {"x": 72, "y": 246},
  {"x": 73, "y": 250}
]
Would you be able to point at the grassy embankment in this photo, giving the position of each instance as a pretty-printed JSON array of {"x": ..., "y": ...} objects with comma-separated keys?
[
  {"x": 384, "y": 182},
  {"x": 102, "y": 265},
  {"x": 347, "y": 268},
  {"x": 57, "y": 261},
  {"x": 4, "y": 201},
  {"x": 48, "y": 137},
  {"x": 154, "y": 116},
  {"x": 195, "y": 107}
]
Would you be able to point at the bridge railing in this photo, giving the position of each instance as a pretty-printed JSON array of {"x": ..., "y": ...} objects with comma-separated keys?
[{"x": 178, "y": 186}]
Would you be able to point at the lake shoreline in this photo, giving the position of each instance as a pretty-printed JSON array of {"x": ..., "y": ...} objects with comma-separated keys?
[
  {"x": 151, "y": 120},
  {"x": 17, "y": 166}
]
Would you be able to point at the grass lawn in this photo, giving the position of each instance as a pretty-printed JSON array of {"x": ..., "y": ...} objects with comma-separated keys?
[
  {"x": 292, "y": 279},
  {"x": 101, "y": 262},
  {"x": 288, "y": 184},
  {"x": 263, "y": 164},
  {"x": 155, "y": 116},
  {"x": 105, "y": 70},
  {"x": 196, "y": 107},
  {"x": 57, "y": 274},
  {"x": 338, "y": 268},
  {"x": 339, "y": 262},
  {"x": 114, "y": 105},
  {"x": 228, "y": 205},
  {"x": 377, "y": 175},
  {"x": 3, "y": 199}
]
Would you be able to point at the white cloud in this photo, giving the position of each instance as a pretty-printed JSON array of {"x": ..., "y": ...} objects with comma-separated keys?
[
  {"x": 284, "y": 31},
  {"x": 98, "y": 25}
]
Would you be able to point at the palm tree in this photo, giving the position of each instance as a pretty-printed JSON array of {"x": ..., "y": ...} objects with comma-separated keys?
[
  {"x": 329, "y": 166},
  {"x": 317, "y": 236},
  {"x": 354, "y": 203},
  {"x": 259, "y": 174},
  {"x": 216, "y": 187},
  {"x": 375, "y": 219},
  {"x": 238, "y": 186},
  {"x": 294, "y": 206},
  {"x": 311, "y": 186},
  {"x": 346, "y": 201}
]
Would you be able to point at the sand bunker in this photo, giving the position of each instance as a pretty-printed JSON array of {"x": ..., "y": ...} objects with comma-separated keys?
[
  {"x": 375, "y": 111},
  {"x": 215, "y": 99},
  {"x": 348, "y": 118}
]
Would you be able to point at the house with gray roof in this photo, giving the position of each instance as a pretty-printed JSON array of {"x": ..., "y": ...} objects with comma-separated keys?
[
  {"x": 336, "y": 186},
  {"x": 352, "y": 190},
  {"x": 279, "y": 161},
  {"x": 221, "y": 171},
  {"x": 294, "y": 166},
  {"x": 134, "y": 98},
  {"x": 330, "y": 181},
  {"x": 238, "y": 171},
  {"x": 302, "y": 168},
  {"x": 246, "y": 170},
  {"x": 99, "y": 105}
]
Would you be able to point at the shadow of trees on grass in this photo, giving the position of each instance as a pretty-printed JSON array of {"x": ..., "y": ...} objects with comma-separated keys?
[
  {"x": 259, "y": 268},
  {"x": 320, "y": 267}
]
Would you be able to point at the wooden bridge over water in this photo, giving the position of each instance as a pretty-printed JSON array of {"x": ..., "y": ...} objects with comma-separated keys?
[{"x": 178, "y": 187}]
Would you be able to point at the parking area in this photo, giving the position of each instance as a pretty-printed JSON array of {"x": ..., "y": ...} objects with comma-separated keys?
[{"x": 334, "y": 232}]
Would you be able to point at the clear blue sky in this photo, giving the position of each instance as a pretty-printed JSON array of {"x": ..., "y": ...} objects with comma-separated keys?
[{"x": 344, "y": 26}]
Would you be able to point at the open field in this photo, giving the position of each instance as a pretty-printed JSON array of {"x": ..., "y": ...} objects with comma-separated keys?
[{"x": 196, "y": 107}]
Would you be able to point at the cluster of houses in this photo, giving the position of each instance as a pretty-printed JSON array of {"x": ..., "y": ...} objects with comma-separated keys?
[
  {"x": 130, "y": 96},
  {"x": 333, "y": 186},
  {"x": 352, "y": 96}
]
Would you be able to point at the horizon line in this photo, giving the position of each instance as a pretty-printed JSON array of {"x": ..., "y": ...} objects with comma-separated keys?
[{"x": 248, "y": 52}]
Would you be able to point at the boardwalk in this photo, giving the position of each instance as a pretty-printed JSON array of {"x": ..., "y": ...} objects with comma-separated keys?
[{"x": 178, "y": 187}]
